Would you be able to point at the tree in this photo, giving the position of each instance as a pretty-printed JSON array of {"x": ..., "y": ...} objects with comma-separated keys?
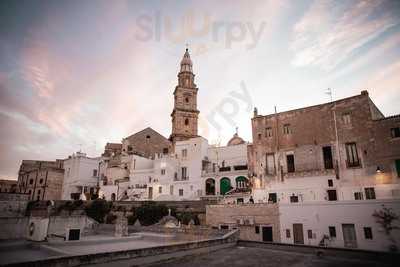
[{"x": 385, "y": 218}]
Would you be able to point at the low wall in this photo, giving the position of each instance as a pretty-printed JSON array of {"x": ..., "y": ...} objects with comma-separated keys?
[
  {"x": 13, "y": 227},
  {"x": 59, "y": 224},
  {"x": 14, "y": 197},
  {"x": 376, "y": 256},
  {"x": 141, "y": 256}
]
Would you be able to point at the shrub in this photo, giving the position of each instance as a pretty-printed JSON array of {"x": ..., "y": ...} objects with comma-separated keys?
[
  {"x": 98, "y": 209},
  {"x": 110, "y": 218},
  {"x": 186, "y": 216},
  {"x": 132, "y": 219},
  {"x": 150, "y": 213}
]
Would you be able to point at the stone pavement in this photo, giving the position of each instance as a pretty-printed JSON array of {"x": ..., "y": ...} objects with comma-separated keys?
[{"x": 252, "y": 256}]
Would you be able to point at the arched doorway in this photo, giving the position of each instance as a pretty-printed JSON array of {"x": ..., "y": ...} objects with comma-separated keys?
[
  {"x": 241, "y": 182},
  {"x": 210, "y": 186},
  {"x": 224, "y": 185}
]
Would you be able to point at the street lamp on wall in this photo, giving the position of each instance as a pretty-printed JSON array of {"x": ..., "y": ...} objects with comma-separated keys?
[{"x": 378, "y": 169}]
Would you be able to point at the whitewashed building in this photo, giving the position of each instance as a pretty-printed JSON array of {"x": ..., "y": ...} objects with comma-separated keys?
[{"x": 81, "y": 176}]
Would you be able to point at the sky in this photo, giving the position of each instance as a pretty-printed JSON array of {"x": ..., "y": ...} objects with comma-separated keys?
[{"x": 75, "y": 75}]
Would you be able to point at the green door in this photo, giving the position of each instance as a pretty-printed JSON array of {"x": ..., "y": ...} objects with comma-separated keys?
[{"x": 225, "y": 185}]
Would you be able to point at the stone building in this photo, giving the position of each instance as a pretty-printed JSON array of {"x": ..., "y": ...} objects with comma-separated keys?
[
  {"x": 146, "y": 143},
  {"x": 8, "y": 186},
  {"x": 185, "y": 113},
  {"x": 340, "y": 150},
  {"x": 42, "y": 180}
]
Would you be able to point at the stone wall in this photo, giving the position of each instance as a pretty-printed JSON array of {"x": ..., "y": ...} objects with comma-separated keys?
[{"x": 245, "y": 217}]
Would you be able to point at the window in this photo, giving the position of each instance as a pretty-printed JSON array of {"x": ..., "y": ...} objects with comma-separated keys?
[
  {"x": 272, "y": 197},
  {"x": 330, "y": 182},
  {"x": 369, "y": 193},
  {"x": 257, "y": 229},
  {"x": 352, "y": 155},
  {"x": 286, "y": 129},
  {"x": 309, "y": 234},
  {"x": 268, "y": 132},
  {"x": 160, "y": 189},
  {"x": 287, "y": 233},
  {"x": 346, "y": 118},
  {"x": 31, "y": 181},
  {"x": 290, "y": 163},
  {"x": 332, "y": 195},
  {"x": 180, "y": 192},
  {"x": 165, "y": 150},
  {"x": 395, "y": 132},
  {"x": 294, "y": 199},
  {"x": 184, "y": 153},
  {"x": 367, "y": 232},
  {"x": 358, "y": 195},
  {"x": 186, "y": 121},
  {"x": 40, "y": 181},
  {"x": 130, "y": 148},
  {"x": 259, "y": 136},
  {"x": 332, "y": 231},
  {"x": 397, "y": 163},
  {"x": 162, "y": 171},
  {"x": 223, "y": 226},
  {"x": 38, "y": 195},
  {"x": 171, "y": 190},
  {"x": 184, "y": 173},
  {"x": 94, "y": 173}
]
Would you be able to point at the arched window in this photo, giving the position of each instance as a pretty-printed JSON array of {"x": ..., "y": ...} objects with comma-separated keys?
[
  {"x": 186, "y": 121},
  {"x": 113, "y": 197},
  {"x": 210, "y": 186}
]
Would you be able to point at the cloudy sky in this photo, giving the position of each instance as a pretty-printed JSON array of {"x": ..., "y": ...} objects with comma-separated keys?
[{"x": 77, "y": 74}]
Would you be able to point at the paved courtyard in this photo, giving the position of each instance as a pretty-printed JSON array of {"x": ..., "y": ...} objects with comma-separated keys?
[{"x": 251, "y": 256}]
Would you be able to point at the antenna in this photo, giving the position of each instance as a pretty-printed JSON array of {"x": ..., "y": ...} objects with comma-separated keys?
[{"x": 80, "y": 148}]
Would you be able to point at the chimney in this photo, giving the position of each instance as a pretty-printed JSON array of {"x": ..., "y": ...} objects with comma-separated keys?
[{"x": 364, "y": 92}]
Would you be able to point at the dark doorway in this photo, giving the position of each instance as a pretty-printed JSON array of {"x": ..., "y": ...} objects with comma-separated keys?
[
  {"x": 210, "y": 186},
  {"x": 272, "y": 197},
  {"x": 290, "y": 163},
  {"x": 298, "y": 233},
  {"x": 267, "y": 233},
  {"x": 74, "y": 234},
  {"x": 349, "y": 236},
  {"x": 150, "y": 192},
  {"x": 328, "y": 160},
  {"x": 332, "y": 196}
]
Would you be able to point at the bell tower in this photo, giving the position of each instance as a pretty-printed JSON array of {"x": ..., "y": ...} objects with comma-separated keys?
[{"x": 185, "y": 113}]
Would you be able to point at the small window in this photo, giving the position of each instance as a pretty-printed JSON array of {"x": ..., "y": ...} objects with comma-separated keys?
[
  {"x": 223, "y": 226},
  {"x": 147, "y": 136},
  {"x": 290, "y": 163},
  {"x": 259, "y": 136},
  {"x": 171, "y": 190},
  {"x": 160, "y": 189},
  {"x": 184, "y": 173},
  {"x": 367, "y": 232},
  {"x": 162, "y": 171},
  {"x": 346, "y": 118},
  {"x": 130, "y": 148},
  {"x": 395, "y": 132},
  {"x": 257, "y": 229},
  {"x": 358, "y": 195},
  {"x": 186, "y": 121},
  {"x": 268, "y": 132},
  {"x": 332, "y": 231},
  {"x": 309, "y": 234},
  {"x": 40, "y": 181},
  {"x": 31, "y": 181},
  {"x": 287, "y": 233},
  {"x": 180, "y": 192},
  {"x": 165, "y": 150},
  {"x": 294, "y": 199},
  {"x": 332, "y": 196},
  {"x": 187, "y": 99},
  {"x": 94, "y": 173},
  {"x": 286, "y": 129},
  {"x": 370, "y": 193},
  {"x": 330, "y": 182},
  {"x": 184, "y": 153}
]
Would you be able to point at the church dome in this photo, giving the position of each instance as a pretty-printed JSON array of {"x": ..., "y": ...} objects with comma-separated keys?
[
  {"x": 186, "y": 63},
  {"x": 236, "y": 140}
]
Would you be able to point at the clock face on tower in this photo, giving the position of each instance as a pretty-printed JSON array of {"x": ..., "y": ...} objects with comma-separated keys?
[{"x": 185, "y": 113}]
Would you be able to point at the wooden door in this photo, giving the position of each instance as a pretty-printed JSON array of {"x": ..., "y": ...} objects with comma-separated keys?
[{"x": 298, "y": 236}]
